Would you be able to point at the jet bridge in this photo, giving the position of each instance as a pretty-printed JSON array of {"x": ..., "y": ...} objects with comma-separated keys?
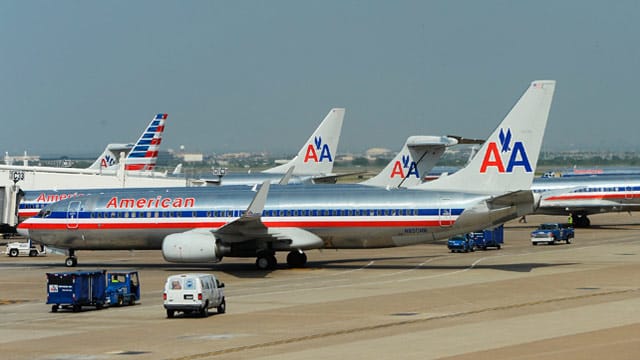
[{"x": 10, "y": 196}]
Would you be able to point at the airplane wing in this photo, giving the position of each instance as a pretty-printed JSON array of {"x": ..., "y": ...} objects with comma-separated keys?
[{"x": 249, "y": 226}]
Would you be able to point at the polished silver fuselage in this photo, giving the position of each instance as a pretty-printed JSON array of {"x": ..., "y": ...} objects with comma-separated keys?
[
  {"x": 343, "y": 216},
  {"x": 587, "y": 195}
]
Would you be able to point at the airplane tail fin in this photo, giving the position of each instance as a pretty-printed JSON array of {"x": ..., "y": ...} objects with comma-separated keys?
[
  {"x": 109, "y": 157},
  {"x": 418, "y": 155},
  {"x": 507, "y": 160},
  {"x": 144, "y": 154},
  {"x": 317, "y": 155}
]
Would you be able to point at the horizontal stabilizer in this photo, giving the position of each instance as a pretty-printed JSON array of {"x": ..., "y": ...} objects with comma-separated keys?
[
  {"x": 414, "y": 161},
  {"x": 465, "y": 141},
  {"x": 512, "y": 199}
]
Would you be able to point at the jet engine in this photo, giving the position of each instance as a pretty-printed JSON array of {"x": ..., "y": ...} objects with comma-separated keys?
[{"x": 192, "y": 246}]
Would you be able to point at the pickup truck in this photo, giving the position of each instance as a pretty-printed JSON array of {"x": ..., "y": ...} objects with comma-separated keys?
[
  {"x": 461, "y": 243},
  {"x": 550, "y": 233}
]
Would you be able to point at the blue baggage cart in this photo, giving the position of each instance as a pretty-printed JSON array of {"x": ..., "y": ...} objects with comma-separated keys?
[
  {"x": 489, "y": 238},
  {"x": 75, "y": 289}
]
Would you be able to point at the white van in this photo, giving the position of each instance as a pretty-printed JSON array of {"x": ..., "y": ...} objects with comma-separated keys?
[{"x": 193, "y": 293}]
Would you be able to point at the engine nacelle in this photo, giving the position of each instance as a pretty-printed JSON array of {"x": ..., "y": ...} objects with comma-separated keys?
[{"x": 192, "y": 246}]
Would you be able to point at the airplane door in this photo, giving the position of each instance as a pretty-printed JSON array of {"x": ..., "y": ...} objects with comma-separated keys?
[
  {"x": 72, "y": 214},
  {"x": 444, "y": 213}
]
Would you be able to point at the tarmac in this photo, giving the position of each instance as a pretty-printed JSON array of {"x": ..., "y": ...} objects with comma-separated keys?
[{"x": 575, "y": 301}]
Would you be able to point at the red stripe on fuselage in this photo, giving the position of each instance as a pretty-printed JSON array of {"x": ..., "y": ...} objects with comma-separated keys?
[{"x": 274, "y": 224}]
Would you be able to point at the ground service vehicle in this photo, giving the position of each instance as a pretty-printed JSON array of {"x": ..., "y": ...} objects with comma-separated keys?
[
  {"x": 550, "y": 233},
  {"x": 488, "y": 238},
  {"x": 123, "y": 287},
  {"x": 75, "y": 289},
  {"x": 461, "y": 243},
  {"x": 22, "y": 248},
  {"x": 193, "y": 293}
]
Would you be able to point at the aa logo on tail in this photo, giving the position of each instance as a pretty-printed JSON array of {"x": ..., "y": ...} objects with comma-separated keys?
[
  {"x": 405, "y": 169},
  {"x": 319, "y": 152},
  {"x": 107, "y": 161},
  {"x": 495, "y": 156}
]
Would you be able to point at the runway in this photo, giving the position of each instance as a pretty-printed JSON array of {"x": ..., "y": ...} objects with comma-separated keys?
[{"x": 572, "y": 301}]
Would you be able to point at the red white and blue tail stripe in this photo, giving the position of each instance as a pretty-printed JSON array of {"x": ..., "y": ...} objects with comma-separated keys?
[{"x": 144, "y": 154}]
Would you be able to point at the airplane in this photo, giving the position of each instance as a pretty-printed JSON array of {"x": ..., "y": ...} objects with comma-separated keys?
[
  {"x": 139, "y": 156},
  {"x": 313, "y": 163},
  {"x": 314, "y": 160},
  {"x": 584, "y": 196},
  {"x": 134, "y": 169},
  {"x": 582, "y": 172},
  {"x": 417, "y": 156},
  {"x": 205, "y": 224}
]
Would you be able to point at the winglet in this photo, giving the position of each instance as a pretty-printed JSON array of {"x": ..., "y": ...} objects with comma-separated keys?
[
  {"x": 317, "y": 155},
  {"x": 144, "y": 154},
  {"x": 285, "y": 179},
  {"x": 258, "y": 202}
]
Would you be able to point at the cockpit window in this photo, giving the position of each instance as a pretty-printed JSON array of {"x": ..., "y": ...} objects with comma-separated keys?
[{"x": 44, "y": 213}]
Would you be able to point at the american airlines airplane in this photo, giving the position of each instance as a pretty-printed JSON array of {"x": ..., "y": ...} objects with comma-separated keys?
[
  {"x": 418, "y": 156},
  {"x": 583, "y": 196},
  {"x": 206, "y": 224},
  {"x": 105, "y": 172},
  {"x": 140, "y": 156},
  {"x": 43, "y": 187},
  {"x": 313, "y": 163}
]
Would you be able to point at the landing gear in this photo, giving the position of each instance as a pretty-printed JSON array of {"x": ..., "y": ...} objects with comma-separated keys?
[
  {"x": 71, "y": 260},
  {"x": 266, "y": 260},
  {"x": 581, "y": 221},
  {"x": 296, "y": 259}
]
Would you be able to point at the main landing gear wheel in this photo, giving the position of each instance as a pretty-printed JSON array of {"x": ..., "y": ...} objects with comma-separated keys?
[
  {"x": 582, "y": 221},
  {"x": 296, "y": 259},
  {"x": 71, "y": 261},
  {"x": 266, "y": 261}
]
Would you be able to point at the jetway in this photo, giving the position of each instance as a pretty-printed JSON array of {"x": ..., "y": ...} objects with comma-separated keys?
[{"x": 10, "y": 196}]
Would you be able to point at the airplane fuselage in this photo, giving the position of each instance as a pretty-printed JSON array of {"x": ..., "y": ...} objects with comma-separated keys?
[
  {"x": 347, "y": 216},
  {"x": 587, "y": 195}
]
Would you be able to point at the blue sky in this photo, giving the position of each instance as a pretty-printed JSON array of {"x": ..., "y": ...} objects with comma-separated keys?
[{"x": 260, "y": 75}]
